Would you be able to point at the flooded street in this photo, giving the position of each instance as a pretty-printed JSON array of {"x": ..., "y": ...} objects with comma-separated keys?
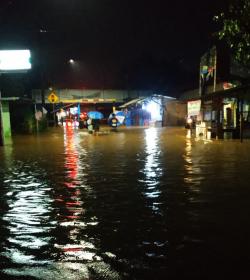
[{"x": 136, "y": 204}]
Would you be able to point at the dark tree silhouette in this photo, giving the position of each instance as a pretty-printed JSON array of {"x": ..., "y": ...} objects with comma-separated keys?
[{"x": 235, "y": 29}]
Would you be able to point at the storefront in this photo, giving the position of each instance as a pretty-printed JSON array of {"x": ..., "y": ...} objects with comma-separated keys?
[
  {"x": 146, "y": 111},
  {"x": 226, "y": 114}
]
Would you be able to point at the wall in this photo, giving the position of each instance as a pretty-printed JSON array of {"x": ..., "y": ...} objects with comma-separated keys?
[
  {"x": 6, "y": 119},
  {"x": 175, "y": 113}
]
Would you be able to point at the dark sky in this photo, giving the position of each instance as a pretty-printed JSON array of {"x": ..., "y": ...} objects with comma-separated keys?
[{"x": 116, "y": 43}]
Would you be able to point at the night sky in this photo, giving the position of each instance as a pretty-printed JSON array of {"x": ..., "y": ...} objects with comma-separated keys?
[{"x": 116, "y": 44}]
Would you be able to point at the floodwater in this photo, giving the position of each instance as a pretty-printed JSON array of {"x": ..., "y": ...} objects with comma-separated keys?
[{"x": 133, "y": 204}]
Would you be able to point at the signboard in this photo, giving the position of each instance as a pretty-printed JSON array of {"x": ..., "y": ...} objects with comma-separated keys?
[
  {"x": 194, "y": 107},
  {"x": 15, "y": 60},
  {"x": 53, "y": 98}
]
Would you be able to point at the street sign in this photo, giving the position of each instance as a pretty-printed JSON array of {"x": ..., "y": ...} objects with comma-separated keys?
[{"x": 53, "y": 98}]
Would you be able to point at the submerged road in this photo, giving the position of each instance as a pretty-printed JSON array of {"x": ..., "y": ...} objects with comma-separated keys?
[{"x": 135, "y": 204}]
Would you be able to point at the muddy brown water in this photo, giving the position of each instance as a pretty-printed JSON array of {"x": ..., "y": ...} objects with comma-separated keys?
[{"x": 133, "y": 204}]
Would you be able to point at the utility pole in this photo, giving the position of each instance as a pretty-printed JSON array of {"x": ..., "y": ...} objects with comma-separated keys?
[
  {"x": 241, "y": 120},
  {"x": 1, "y": 123},
  {"x": 37, "y": 124},
  {"x": 215, "y": 68}
]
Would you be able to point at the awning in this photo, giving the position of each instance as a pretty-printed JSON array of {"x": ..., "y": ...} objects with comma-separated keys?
[
  {"x": 133, "y": 101},
  {"x": 141, "y": 99}
]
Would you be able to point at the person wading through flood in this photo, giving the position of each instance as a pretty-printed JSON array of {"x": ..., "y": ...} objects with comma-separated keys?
[
  {"x": 96, "y": 125},
  {"x": 114, "y": 122},
  {"x": 89, "y": 125}
]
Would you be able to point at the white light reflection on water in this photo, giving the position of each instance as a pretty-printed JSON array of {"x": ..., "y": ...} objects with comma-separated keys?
[
  {"x": 27, "y": 218},
  {"x": 152, "y": 169}
]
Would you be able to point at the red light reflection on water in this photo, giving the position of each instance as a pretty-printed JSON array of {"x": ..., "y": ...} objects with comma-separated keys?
[
  {"x": 70, "y": 200},
  {"x": 71, "y": 205},
  {"x": 71, "y": 157}
]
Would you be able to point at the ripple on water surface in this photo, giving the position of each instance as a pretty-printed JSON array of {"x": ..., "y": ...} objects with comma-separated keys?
[{"x": 136, "y": 204}]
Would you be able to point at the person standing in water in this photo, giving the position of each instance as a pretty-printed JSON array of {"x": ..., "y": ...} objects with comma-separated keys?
[
  {"x": 114, "y": 122},
  {"x": 89, "y": 125}
]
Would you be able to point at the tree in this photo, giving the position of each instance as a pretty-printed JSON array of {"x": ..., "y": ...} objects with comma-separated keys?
[{"x": 235, "y": 30}]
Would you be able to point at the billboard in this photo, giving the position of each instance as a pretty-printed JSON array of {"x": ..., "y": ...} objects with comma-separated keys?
[{"x": 15, "y": 60}]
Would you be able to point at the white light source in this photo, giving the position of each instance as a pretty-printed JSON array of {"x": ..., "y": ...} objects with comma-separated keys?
[
  {"x": 15, "y": 60},
  {"x": 71, "y": 61},
  {"x": 155, "y": 110}
]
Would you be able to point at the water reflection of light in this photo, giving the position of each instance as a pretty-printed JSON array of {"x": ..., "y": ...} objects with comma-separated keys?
[
  {"x": 27, "y": 218},
  {"x": 72, "y": 205},
  {"x": 71, "y": 156},
  {"x": 189, "y": 134},
  {"x": 192, "y": 165},
  {"x": 152, "y": 169},
  {"x": 188, "y": 159},
  {"x": 72, "y": 202}
]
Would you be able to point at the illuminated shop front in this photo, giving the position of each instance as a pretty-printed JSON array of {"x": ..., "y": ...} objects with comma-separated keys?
[
  {"x": 146, "y": 111},
  {"x": 227, "y": 113}
]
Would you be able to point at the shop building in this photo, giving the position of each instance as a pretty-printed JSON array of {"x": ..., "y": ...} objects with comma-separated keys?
[
  {"x": 142, "y": 107},
  {"x": 221, "y": 114}
]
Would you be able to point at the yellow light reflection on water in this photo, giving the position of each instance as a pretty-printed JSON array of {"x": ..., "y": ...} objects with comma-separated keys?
[{"x": 193, "y": 156}]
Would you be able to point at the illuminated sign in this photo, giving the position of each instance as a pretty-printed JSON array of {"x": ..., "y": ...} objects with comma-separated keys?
[
  {"x": 15, "y": 60},
  {"x": 194, "y": 107}
]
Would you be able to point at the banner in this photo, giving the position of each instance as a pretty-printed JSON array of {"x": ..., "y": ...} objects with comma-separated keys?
[{"x": 208, "y": 70}]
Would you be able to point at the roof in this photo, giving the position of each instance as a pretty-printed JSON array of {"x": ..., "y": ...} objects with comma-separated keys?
[
  {"x": 16, "y": 98},
  {"x": 132, "y": 102},
  {"x": 9, "y": 98},
  {"x": 141, "y": 99}
]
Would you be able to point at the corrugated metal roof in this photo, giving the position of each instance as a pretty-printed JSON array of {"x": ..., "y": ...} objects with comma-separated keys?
[
  {"x": 133, "y": 101},
  {"x": 141, "y": 99}
]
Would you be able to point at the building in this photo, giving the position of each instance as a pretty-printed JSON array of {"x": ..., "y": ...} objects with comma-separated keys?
[
  {"x": 222, "y": 114},
  {"x": 152, "y": 110},
  {"x": 138, "y": 102}
]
